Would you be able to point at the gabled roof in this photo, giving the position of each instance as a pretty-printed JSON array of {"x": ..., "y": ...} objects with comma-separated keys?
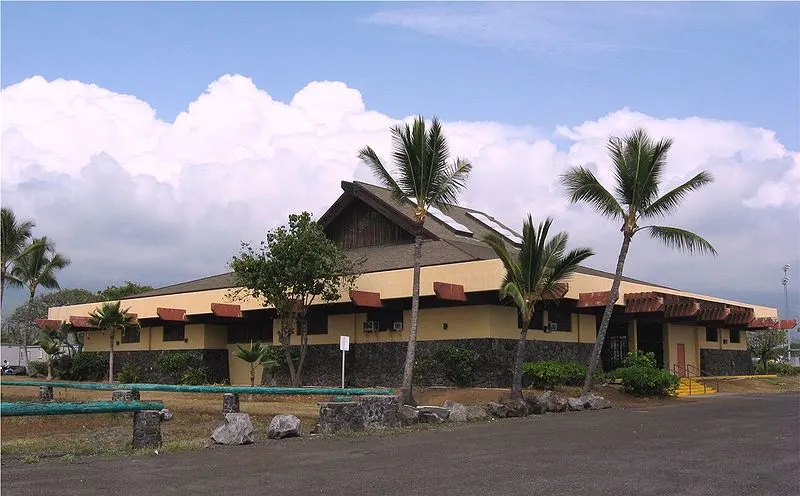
[{"x": 443, "y": 245}]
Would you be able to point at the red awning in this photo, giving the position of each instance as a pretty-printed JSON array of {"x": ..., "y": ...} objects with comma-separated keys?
[
  {"x": 447, "y": 291},
  {"x": 365, "y": 299},
  {"x": 226, "y": 310},
  {"x": 172, "y": 314}
]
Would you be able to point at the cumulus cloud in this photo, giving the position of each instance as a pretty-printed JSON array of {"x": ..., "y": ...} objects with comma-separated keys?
[{"x": 128, "y": 196}]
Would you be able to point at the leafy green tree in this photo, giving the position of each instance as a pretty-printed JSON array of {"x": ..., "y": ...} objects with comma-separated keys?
[
  {"x": 13, "y": 244},
  {"x": 639, "y": 165},
  {"x": 421, "y": 171},
  {"x": 294, "y": 266},
  {"x": 110, "y": 317},
  {"x": 256, "y": 355},
  {"x": 534, "y": 273},
  {"x": 113, "y": 293},
  {"x": 766, "y": 345},
  {"x": 36, "y": 268}
]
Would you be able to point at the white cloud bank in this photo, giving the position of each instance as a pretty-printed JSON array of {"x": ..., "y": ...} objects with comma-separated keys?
[{"x": 128, "y": 196}]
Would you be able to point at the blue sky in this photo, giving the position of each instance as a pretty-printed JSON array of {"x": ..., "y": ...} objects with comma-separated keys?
[
  {"x": 519, "y": 63},
  {"x": 525, "y": 64}
]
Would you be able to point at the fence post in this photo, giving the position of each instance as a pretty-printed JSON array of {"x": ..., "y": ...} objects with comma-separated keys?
[
  {"x": 45, "y": 393},
  {"x": 230, "y": 403},
  {"x": 146, "y": 429}
]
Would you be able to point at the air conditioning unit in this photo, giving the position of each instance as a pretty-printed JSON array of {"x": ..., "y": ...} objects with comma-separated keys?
[
  {"x": 371, "y": 326},
  {"x": 550, "y": 327},
  {"x": 397, "y": 326}
]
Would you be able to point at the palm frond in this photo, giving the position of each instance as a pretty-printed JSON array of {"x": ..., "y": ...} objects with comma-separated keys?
[
  {"x": 670, "y": 201},
  {"x": 582, "y": 186},
  {"x": 681, "y": 239},
  {"x": 371, "y": 159},
  {"x": 511, "y": 265},
  {"x": 450, "y": 184}
]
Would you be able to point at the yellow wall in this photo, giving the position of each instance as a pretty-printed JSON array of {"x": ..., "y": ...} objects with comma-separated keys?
[
  {"x": 151, "y": 338},
  {"x": 481, "y": 275},
  {"x": 686, "y": 335},
  {"x": 724, "y": 335}
]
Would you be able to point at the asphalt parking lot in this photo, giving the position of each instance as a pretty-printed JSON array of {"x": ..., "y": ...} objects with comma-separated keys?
[{"x": 726, "y": 445}]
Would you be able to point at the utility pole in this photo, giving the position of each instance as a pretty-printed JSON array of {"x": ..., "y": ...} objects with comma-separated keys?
[{"x": 786, "y": 314}]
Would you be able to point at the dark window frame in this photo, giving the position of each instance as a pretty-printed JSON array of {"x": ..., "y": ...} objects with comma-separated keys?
[
  {"x": 715, "y": 337},
  {"x": 173, "y": 332},
  {"x": 131, "y": 335},
  {"x": 737, "y": 333},
  {"x": 251, "y": 331},
  {"x": 537, "y": 321},
  {"x": 317, "y": 322}
]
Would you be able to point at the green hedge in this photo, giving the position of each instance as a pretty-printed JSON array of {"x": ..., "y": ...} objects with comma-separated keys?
[
  {"x": 641, "y": 376},
  {"x": 778, "y": 368},
  {"x": 551, "y": 373},
  {"x": 646, "y": 381}
]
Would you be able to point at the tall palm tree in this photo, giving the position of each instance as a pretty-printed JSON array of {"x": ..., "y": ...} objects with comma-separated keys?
[
  {"x": 110, "y": 317},
  {"x": 534, "y": 273},
  {"x": 14, "y": 241},
  {"x": 423, "y": 173},
  {"x": 35, "y": 268},
  {"x": 639, "y": 165}
]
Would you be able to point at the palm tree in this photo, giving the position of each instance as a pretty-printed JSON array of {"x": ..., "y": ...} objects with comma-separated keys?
[
  {"x": 14, "y": 241},
  {"x": 52, "y": 348},
  {"x": 35, "y": 267},
  {"x": 534, "y": 273},
  {"x": 110, "y": 317},
  {"x": 639, "y": 164},
  {"x": 424, "y": 174},
  {"x": 255, "y": 356}
]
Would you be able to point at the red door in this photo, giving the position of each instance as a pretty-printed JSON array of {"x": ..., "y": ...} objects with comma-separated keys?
[{"x": 682, "y": 359}]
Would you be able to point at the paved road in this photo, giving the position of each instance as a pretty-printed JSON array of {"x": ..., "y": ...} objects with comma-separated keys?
[{"x": 732, "y": 445}]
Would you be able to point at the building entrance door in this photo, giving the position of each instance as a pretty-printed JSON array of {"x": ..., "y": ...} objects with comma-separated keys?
[{"x": 682, "y": 360}]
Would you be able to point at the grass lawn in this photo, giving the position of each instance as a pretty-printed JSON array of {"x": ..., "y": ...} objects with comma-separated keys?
[{"x": 197, "y": 415}]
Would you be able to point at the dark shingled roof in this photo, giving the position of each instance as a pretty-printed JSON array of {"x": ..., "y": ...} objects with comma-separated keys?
[{"x": 450, "y": 247}]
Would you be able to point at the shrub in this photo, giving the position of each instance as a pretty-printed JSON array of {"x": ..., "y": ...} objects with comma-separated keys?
[
  {"x": 648, "y": 381},
  {"x": 39, "y": 367},
  {"x": 195, "y": 376},
  {"x": 129, "y": 373},
  {"x": 458, "y": 364},
  {"x": 172, "y": 365},
  {"x": 551, "y": 373},
  {"x": 638, "y": 358},
  {"x": 778, "y": 368},
  {"x": 83, "y": 367}
]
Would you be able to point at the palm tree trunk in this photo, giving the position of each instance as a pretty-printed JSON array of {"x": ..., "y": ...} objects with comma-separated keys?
[
  {"x": 516, "y": 381},
  {"x": 25, "y": 359},
  {"x": 49, "y": 369},
  {"x": 408, "y": 371},
  {"x": 252, "y": 374},
  {"x": 111, "y": 358},
  {"x": 612, "y": 299}
]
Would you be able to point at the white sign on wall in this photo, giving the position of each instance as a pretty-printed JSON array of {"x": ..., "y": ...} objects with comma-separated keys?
[{"x": 344, "y": 343}]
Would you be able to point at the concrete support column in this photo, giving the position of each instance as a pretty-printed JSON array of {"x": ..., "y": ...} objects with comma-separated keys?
[
  {"x": 230, "y": 403},
  {"x": 45, "y": 393},
  {"x": 146, "y": 429}
]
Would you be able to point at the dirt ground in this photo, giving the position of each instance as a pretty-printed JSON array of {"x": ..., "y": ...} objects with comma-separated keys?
[
  {"x": 197, "y": 415},
  {"x": 730, "y": 445}
]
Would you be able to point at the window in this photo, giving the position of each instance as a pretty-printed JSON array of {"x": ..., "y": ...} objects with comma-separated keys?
[
  {"x": 735, "y": 336},
  {"x": 174, "y": 332},
  {"x": 317, "y": 322},
  {"x": 537, "y": 321},
  {"x": 712, "y": 334},
  {"x": 245, "y": 332},
  {"x": 561, "y": 314},
  {"x": 131, "y": 335},
  {"x": 385, "y": 317}
]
